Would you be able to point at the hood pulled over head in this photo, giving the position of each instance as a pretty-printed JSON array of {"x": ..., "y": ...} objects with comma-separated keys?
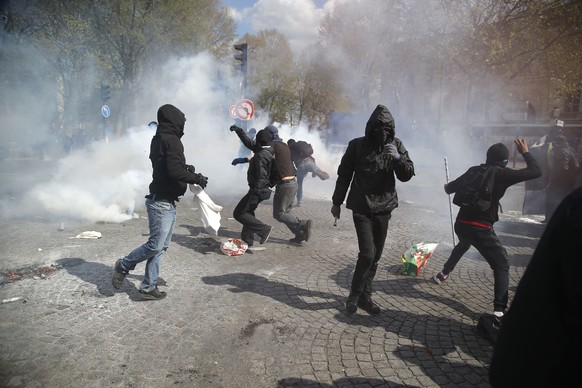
[
  {"x": 171, "y": 120},
  {"x": 497, "y": 155},
  {"x": 274, "y": 131},
  {"x": 380, "y": 126},
  {"x": 263, "y": 138}
]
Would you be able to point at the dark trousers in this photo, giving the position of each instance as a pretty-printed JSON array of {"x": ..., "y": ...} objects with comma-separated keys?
[
  {"x": 371, "y": 230},
  {"x": 487, "y": 243},
  {"x": 244, "y": 212}
]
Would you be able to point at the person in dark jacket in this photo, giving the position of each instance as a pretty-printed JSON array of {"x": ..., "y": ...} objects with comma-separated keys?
[
  {"x": 171, "y": 176},
  {"x": 475, "y": 227},
  {"x": 286, "y": 184},
  {"x": 258, "y": 178},
  {"x": 563, "y": 167},
  {"x": 302, "y": 156},
  {"x": 369, "y": 165},
  {"x": 540, "y": 339}
]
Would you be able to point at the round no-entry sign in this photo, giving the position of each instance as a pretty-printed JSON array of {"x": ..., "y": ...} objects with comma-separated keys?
[{"x": 243, "y": 110}]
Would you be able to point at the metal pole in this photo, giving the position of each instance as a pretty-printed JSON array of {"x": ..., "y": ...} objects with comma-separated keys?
[{"x": 450, "y": 204}]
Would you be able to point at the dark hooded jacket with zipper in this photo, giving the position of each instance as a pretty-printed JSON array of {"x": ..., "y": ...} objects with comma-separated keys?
[
  {"x": 261, "y": 166},
  {"x": 170, "y": 176},
  {"x": 503, "y": 178},
  {"x": 371, "y": 170}
]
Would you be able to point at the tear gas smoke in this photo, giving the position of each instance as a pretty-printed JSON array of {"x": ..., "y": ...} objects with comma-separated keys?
[{"x": 108, "y": 182}]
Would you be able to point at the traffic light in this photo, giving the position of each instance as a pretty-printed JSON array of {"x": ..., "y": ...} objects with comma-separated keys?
[
  {"x": 105, "y": 92},
  {"x": 242, "y": 57}
]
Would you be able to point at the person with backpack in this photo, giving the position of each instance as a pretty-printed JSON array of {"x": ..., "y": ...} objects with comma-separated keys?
[
  {"x": 302, "y": 156},
  {"x": 259, "y": 181},
  {"x": 285, "y": 182},
  {"x": 369, "y": 168},
  {"x": 478, "y": 193}
]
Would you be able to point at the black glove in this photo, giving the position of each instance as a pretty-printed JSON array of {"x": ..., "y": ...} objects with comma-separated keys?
[
  {"x": 335, "y": 211},
  {"x": 201, "y": 180},
  {"x": 190, "y": 168},
  {"x": 234, "y": 128},
  {"x": 239, "y": 161}
]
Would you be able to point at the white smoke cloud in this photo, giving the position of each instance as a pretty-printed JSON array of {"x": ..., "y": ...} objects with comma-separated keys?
[{"x": 108, "y": 181}]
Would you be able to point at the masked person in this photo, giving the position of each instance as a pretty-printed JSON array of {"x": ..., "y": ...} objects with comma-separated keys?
[
  {"x": 475, "y": 227},
  {"x": 302, "y": 156},
  {"x": 170, "y": 176},
  {"x": 369, "y": 168},
  {"x": 286, "y": 183},
  {"x": 259, "y": 180}
]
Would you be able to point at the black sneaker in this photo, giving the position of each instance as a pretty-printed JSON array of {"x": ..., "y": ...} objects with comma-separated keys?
[
  {"x": 440, "y": 277},
  {"x": 369, "y": 306},
  {"x": 118, "y": 275},
  {"x": 497, "y": 320},
  {"x": 351, "y": 306},
  {"x": 154, "y": 294},
  {"x": 296, "y": 240},
  {"x": 306, "y": 229},
  {"x": 265, "y": 235}
]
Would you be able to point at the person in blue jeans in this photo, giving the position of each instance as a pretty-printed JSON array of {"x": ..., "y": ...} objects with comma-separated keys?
[
  {"x": 301, "y": 154},
  {"x": 170, "y": 178},
  {"x": 285, "y": 186}
]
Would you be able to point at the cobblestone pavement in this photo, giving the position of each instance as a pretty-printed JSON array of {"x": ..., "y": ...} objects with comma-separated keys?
[{"x": 270, "y": 318}]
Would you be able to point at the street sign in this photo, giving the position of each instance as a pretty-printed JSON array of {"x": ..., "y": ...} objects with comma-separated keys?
[
  {"x": 245, "y": 109},
  {"x": 105, "y": 111}
]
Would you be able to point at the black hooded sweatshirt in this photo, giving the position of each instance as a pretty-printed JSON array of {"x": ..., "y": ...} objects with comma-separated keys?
[
  {"x": 503, "y": 178},
  {"x": 170, "y": 176},
  {"x": 371, "y": 170}
]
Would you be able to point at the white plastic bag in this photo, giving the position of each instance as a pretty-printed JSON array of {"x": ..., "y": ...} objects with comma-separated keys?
[
  {"x": 209, "y": 211},
  {"x": 234, "y": 247}
]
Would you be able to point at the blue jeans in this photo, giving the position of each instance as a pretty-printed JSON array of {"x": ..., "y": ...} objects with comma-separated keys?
[
  {"x": 306, "y": 166},
  {"x": 162, "y": 217}
]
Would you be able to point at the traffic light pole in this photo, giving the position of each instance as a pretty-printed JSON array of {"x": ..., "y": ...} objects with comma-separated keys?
[{"x": 242, "y": 56}]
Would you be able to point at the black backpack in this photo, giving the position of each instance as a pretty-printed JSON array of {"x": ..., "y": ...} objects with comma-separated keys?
[
  {"x": 305, "y": 149},
  {"x": 476, "y": 188}
]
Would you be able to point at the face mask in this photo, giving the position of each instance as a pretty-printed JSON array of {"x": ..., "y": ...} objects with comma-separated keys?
[{"x": 378, "y": 138}]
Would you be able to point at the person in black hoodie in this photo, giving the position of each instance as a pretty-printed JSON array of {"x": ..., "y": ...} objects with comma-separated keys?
[
  {"x": 171, "y": 177},
  {"x": 286, "y": 183},
  {"x": 259, "y": 180},
  {"x": 541, "y": 335},
  {"x": 475, "y": 227},
  {"x": 370, "y": 165}
]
